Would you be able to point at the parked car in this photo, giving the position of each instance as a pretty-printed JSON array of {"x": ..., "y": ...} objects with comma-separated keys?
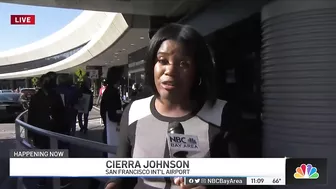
[
  {"x": 10, "y": 106},
  {"x": 6, "y": 91},
  {"x": 28, "y": 92}
]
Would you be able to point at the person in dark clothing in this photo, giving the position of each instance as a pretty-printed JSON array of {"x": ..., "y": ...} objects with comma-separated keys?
[
  {"x": 53, "y": 79},
  {"x": 70, "y": 96},
  {"x": 111, "y": 102},
  {"x": 109, "y": 107},
  {"x": 85, "y": 90},
  {"x": 46, "y": 111}
]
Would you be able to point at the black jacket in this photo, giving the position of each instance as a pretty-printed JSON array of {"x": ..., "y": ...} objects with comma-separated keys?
[
  {"x": 110, "y": 103},
  {"x": 46, "y": 111},
  {"x": 84, "y": 90}
]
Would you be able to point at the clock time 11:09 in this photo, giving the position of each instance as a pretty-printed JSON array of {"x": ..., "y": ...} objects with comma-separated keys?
[{"x": 257, "y": 180}]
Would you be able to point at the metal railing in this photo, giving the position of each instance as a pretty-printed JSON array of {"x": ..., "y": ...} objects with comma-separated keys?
[{"x": 22, "y": 142}]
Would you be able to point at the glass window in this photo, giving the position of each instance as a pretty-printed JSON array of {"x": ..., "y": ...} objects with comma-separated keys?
[{"x": 9, "y": 97}]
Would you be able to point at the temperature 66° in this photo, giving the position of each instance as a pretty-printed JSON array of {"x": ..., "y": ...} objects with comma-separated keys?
[{"x": 276, "y": 180}]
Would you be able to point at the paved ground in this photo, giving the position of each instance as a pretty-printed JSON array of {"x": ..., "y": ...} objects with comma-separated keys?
[{"x": 7, "y": 142}]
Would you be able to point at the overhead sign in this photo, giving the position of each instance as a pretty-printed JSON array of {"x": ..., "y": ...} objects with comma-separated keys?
[
  {"x": 80, "y": 73},
  {"x": 34, "y": 80},
  {"x": 93, "y": 74}
]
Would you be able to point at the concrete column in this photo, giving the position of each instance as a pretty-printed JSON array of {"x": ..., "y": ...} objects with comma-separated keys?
[
  {"x": 299, "y": 83},
  {"x": 27, "y": 82},
  {"x": 12, "y": 84}
]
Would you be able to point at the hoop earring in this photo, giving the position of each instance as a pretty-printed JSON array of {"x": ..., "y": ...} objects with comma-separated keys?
[{"x": 200, "y": 81}]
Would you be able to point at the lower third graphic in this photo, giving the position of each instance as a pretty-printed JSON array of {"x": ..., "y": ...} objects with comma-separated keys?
[{"x": 216, "y": 181}]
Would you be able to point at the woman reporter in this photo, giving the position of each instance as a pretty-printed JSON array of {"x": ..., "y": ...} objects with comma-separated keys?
[{"x": 180, "y": 71}]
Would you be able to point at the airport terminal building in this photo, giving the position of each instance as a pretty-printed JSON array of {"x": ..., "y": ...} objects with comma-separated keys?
[{"x": 274, "y": 57}]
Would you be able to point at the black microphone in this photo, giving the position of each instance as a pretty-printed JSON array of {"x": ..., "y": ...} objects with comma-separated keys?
[{"x": 177, "y": 128}]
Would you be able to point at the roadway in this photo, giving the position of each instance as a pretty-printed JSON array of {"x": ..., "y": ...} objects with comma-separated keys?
[{"x": 7, "y": 141}]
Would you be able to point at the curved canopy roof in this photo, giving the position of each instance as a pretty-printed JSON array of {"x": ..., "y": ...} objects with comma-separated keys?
[{"x": 100, "y": 29}]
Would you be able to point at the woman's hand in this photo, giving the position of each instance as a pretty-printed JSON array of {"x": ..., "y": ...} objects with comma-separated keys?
[{"x": 180, "y": 182}]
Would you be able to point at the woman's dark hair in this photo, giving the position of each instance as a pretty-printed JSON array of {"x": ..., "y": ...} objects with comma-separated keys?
[
  {"x": 197, "y": 48},
  {"x": 44, "y": 81},
  {"x": 114, "y": 75},
  {"x": 111, "y": 94},
  {"x": 64, "y": 80},
  {"x": 52, "y": 79}
]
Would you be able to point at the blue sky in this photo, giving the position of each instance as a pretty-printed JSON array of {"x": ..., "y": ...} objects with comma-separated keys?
[{"x": 47, "y": 21}]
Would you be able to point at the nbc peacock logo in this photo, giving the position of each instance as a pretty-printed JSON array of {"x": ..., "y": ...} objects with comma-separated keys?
[{"x": 306, "y": 171}]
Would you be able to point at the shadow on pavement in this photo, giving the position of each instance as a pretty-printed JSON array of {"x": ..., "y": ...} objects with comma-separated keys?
[
  {"x": 7, "y": 121},
  {"x": 95, "y": 134},
  {"x": 5, "y": 181}
]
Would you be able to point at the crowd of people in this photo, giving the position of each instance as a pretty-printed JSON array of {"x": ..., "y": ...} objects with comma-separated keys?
[
  {"x": 55, "y": 107},
  {"x": 57, "y": 104}
]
